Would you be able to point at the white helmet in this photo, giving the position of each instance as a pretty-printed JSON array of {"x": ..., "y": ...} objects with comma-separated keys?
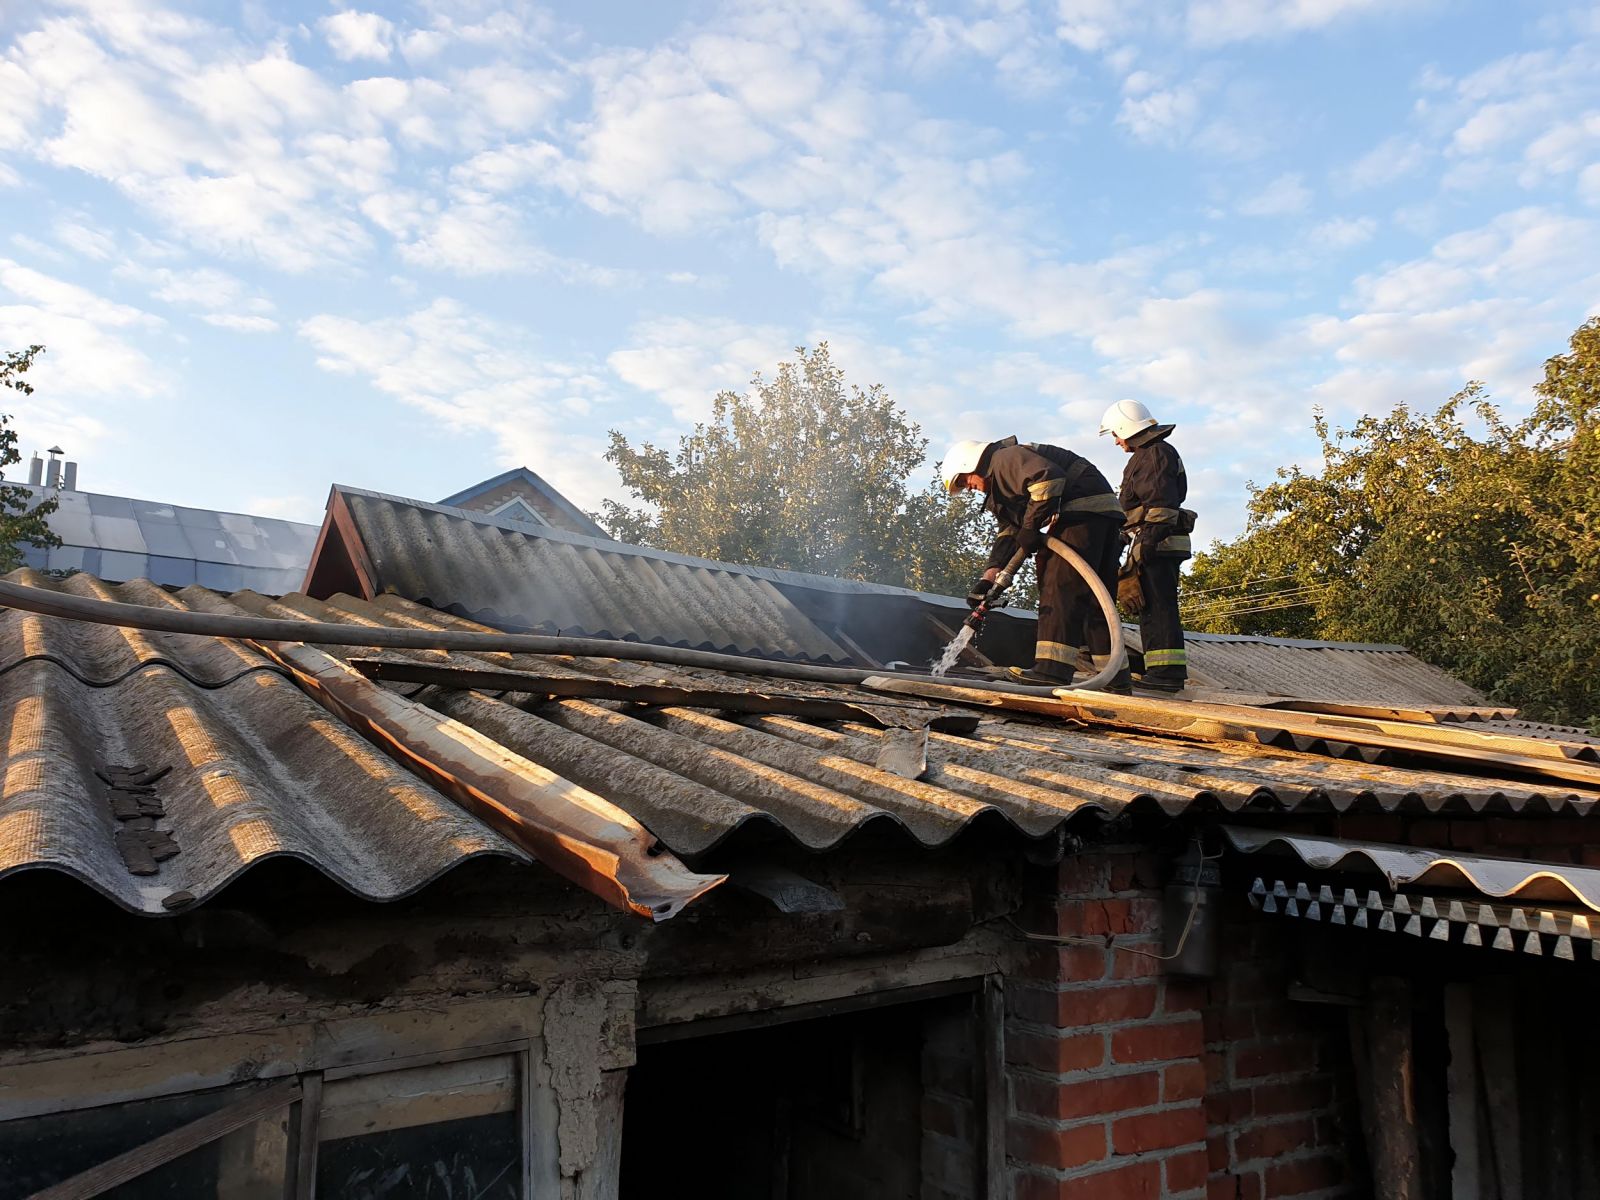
[
  {"x": 961, "y": 459},
  {"x": 1126, "y": 418}
]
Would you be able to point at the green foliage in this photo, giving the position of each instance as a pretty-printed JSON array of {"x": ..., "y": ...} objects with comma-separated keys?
[
  {"x": 1468, "y": 538},
  {"x": 805, "y": 473},
  {"x": 21, "y": 519}
]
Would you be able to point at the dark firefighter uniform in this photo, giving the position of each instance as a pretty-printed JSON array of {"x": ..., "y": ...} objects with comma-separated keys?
[
  {"x": 1154, "y": 487},
  {"x": 1029, "y": 486}
]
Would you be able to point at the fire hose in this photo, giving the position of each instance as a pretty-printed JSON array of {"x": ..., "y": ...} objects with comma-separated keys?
[
  {"x": 51, "y": 603},
  {"x": 1097, "y": 587}
]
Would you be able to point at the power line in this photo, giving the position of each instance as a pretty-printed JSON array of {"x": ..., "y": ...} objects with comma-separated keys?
[
  {"x": 1241, "y": 612},
  {"x": 1228, "y": 604},
  {"x": 1233, "y": 587}
]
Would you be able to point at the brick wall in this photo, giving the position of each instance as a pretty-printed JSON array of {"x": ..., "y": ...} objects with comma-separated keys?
[{"x": 1127, "y": 1085}]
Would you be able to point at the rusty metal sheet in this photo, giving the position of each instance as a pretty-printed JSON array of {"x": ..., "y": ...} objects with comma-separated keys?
[{"x": 574, "y": 832}]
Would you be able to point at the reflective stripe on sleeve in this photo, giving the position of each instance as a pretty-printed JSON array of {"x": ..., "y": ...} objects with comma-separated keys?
[{"x": 1045, "y": 489}]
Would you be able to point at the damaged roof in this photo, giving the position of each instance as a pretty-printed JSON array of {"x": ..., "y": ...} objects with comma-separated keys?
[{"x": 116, "y": 738}]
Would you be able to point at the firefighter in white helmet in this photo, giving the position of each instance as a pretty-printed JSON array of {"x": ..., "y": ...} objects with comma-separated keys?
[
  {"x": 1156, "y": 528},
  {"x": 1033, "y": 489}
]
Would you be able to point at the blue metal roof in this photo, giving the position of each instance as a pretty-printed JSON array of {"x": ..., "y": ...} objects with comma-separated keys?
[{"x": 118, "y": 538}]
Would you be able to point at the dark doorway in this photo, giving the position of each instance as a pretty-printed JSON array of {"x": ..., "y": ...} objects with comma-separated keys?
[{"x": 825, "y": 1109}]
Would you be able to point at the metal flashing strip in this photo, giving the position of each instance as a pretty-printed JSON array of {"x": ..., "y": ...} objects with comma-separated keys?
[
  {"x": 1502, "y": 878},
  {"x": 1539, "y": 932}
]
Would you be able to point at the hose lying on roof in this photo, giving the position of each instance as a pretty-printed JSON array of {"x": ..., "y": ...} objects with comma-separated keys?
[{"x": 142, "y": 616}]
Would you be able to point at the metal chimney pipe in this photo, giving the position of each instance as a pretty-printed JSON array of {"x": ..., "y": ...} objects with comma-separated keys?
[
  {"x": 36, "y": 471},
  {"x": 52, "y": 470},
  {"x": 69, "y": 477}
]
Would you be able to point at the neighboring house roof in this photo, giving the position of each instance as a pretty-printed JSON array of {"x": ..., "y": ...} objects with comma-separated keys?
[
  {"x": 117, "y": 538},
  {"x": 254, "y": 769},
  {"x": 521, "y": 495}
]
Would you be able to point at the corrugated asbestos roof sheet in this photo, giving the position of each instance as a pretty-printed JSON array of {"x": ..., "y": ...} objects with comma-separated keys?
[
  {"x": 1322, "y": 671},
  {"x": 515, "y": 578},
  {"x": 117, "y": 538},
  {"x": 1404, "y": 866},
  {"x": 257, "y": 769},
  {"x": 239, "y": 764}
]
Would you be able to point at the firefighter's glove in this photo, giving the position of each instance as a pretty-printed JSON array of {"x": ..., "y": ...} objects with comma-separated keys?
[
  {"x": 1029, "y": 540},
  {"x": 1130, "y": 593},
  {"x": 979, "y": 591}
]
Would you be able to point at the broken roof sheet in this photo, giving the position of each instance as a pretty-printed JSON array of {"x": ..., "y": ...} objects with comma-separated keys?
[
  {"x": 511, "y": 577},
  {"x": 258, "y": 769}
]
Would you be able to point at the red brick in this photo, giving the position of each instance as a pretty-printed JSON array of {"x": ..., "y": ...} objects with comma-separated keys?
[
  {"x": 1273, "y": 1058},
  {"x": 1055, "y": 1054},
  {"x": 1151, "y": 1043},
  {"x": 1246, "y": 1186},
  {"x": 1217, "y": 1153},
  {"x": 1281, "y": 1099},
  {"x": 1102, "y": 1006},
  {"x": 1090, "y": 1098},
  {"x": 1125, "y": 965},
  {"x": 1159, "y": 1130},
  {"x": 1084, "y": 875},
  {"x": 1060, "y": 1149},
  {"x": 1227, "y": 1108},
  {"x": 1184, "y": 996},
  {"x": 1468, "y": 835},
  {"x": 1082, "y": 964},
  {"x": 1278, "y": 1018},
  {"x": 1096, "y": 918},
  {"x": 1183, "y": 1081},
  {"x": 1032, "y": 1004},
  {"x": 1430, "y": 832},
  {"x": 1186, "y": 1172},
  {"x": 1298, "y": 1178},
  {"x": 1591, "y": 856},
  {"x": 1130, "y": 872},
  {"x": 1278, "y": 1140},
  {"x": 1136, "y": 1181}
]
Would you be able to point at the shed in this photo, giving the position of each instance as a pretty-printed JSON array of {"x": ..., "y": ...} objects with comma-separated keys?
[{"x": 294, "y": 916}]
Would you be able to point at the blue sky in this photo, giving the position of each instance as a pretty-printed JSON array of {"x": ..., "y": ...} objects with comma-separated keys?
[{"x": 405, "y": 246}]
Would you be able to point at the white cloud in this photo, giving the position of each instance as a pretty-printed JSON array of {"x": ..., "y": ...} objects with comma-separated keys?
[
  {"x": 686, "y": 361},
  {"x": 353, "y": 35},
  {"x": 241, "y": 324},
  {"x": 88, "y": 341},
  {"x": 1284, "y": 196},
  {"x": 1216, "y": 22},
  {"x": 478, "y": 377},
  {"x": 1164, "y": 115},
  {"x": 1341, "y": 233},
  {"x": 1392, "y": 159}
]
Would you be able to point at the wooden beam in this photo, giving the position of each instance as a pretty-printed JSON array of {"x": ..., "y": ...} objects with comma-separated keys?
[
  {"x": 1236, "y": 723},
  {"x": 1495, "y": 1028},
  {"x": 99, "y": 1179},
  {"x": 307, "y": 1136},
  {"x": 1395, "y": 1149},
  {"x": 992, "y": 1039},
  {"x": 1462, "y": 1090}
]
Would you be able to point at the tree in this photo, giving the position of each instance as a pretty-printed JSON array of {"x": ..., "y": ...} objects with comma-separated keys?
[
  {"x": 1468, "y": 538},
  {"x": 801, "y": 472},
  {"x": 22, "y": 518}
]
